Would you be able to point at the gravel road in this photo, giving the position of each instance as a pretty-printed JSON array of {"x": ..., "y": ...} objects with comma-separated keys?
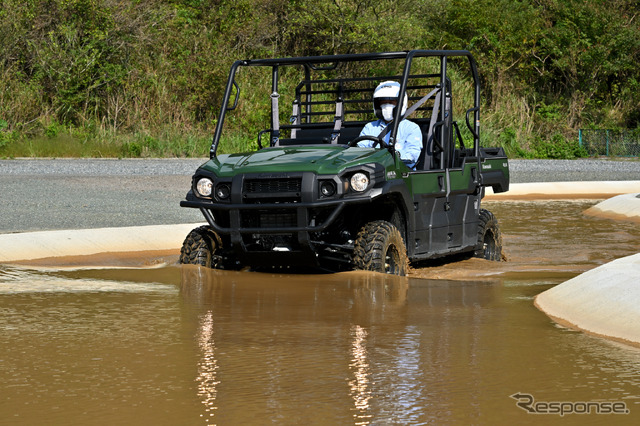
[{"x": 47, "y": 194}]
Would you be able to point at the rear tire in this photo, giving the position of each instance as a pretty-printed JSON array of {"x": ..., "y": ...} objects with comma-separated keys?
[
  {"x": 489, "y": 237},
  {"x": 379, "y": 247},
  {"x": 202, "y": 247}
]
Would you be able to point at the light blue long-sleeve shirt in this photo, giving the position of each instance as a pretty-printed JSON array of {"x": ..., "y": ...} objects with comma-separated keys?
[{"x": 408, "y": 140}]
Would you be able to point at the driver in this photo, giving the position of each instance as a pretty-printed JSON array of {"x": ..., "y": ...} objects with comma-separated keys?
[{"x": 409, "y": 137}]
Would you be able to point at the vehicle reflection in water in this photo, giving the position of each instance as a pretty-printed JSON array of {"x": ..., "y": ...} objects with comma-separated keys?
[
  {"x": 371, "y": 349},
  {"x": 207, "y": 366},
  {"x": 359, "y": 366},
  {"x": 317, "y": 341}
]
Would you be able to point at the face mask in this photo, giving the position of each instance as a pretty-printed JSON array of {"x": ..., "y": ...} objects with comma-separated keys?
[{"x": 387, "y": 111}]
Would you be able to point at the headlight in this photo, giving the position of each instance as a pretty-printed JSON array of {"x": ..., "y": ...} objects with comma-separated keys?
[
  {"x": 327, "y": 188},
  {"x": 204, "y": 187},
  {"x": 223, "y": 191},
  {"x": 359, "y": 182}
]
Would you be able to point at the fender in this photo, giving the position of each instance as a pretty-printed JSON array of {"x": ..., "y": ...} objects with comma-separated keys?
[{"x": 397, "y": 189}]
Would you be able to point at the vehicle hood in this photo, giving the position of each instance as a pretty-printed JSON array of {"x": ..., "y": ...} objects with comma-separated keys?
[{"x": 321, "y": 160}]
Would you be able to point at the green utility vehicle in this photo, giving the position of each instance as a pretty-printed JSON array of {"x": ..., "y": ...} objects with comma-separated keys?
[{"x": 309, "y": 195}]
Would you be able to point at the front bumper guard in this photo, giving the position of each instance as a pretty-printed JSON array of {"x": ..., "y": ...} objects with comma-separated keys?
[{"x": 302, "y": 210}]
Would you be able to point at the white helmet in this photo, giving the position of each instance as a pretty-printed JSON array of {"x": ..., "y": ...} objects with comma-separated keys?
[{"x": 387, "y": 91}]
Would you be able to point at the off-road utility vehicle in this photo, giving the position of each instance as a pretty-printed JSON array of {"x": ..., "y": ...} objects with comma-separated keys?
[{"x": 309, "y": 195}]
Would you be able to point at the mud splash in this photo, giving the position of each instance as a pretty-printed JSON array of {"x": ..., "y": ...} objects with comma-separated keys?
[{"x": 136, "y": 259}]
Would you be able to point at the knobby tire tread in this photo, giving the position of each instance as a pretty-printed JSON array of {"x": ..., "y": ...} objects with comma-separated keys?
[
  {"x": 488, "y": 223},
  {"x": 199, "y": 247},
  {"x": 371, "y": 245}
]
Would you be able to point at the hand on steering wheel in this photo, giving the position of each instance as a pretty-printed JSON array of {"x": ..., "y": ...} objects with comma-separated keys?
[{"x": 376, "y": 140}]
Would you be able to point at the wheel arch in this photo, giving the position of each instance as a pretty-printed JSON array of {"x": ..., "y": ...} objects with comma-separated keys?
[
  {"x": 402, "y": 216},
  {"x": 390, "y": 207}
]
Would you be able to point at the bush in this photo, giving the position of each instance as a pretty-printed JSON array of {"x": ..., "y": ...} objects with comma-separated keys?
[
  {"x": 558, "y": 147},
  {"x": 6, "y": 136},
  {"x": 512, "y": 146}
]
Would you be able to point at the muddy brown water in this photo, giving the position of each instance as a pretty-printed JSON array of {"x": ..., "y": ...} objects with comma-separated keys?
[{"x": 168, "y": 345}]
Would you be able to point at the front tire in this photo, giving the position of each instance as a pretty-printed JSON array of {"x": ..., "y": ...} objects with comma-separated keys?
[
  {"x": 201, "y": 247},
  {"x": 379, "y": 247},
  {"x": 489, "y": 245}
]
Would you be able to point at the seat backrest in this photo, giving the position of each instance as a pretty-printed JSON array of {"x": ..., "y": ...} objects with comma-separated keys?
[
  {"x": 322, "y": 135},
  {"x": 347, "y": 134},
  {"x": 308, "y": 137},
  {"x": 424, "y": 160},
  {"x": 428, "y": 156}
]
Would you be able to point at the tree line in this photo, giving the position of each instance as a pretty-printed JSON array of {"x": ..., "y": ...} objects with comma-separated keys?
[{"x": 144, "y": 71}]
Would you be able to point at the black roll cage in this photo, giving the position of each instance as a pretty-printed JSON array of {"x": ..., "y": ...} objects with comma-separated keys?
[{"x": 329, "y": 62}]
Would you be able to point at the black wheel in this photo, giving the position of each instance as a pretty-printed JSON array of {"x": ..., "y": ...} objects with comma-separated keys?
[
  {"x": 201, "y": 247},
  {"x": 489, "y": 237},
  {"x": 379, "y": 247}
]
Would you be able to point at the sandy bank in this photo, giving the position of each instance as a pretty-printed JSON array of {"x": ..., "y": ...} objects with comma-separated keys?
[
  {"x": 622, "y": 207},
  {"x": 565, "y": 190},
  {"x": 602, "y": 301},
  {"x": 82, "y": 242}
]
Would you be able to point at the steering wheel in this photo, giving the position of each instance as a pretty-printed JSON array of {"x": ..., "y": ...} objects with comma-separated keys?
[{"x": 376, "y": 140}]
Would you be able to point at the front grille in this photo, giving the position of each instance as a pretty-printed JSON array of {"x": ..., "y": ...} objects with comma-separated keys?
[
  {"x": 268, "y": 219},
  {"x": 272, "y": 186},
  {"x": 264, "y": 191}
]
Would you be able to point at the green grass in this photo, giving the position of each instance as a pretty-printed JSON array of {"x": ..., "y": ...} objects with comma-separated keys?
[
  {"x": 108, "y": 145},
  {"x": 68, "y": 144}
]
